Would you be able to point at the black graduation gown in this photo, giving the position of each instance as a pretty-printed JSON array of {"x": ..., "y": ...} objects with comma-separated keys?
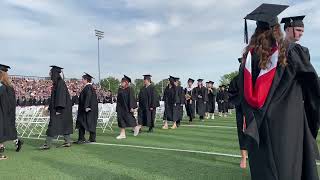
[
  {"x": 147, "y": 99},
  {"x": 235, "y": 99},
  {"x": 8, "y": 129},
  {"x": 125, "y": 102},
  {"x": 190, "y": 103},
  {"x": 225, "y": 101},
  {"x": 170, "y": 98},
  {"x": 88, "y": 99},
  {"x": 285, "y": 128},
  {"x": 202, "y": 99},
  {"x": 60, "y": 101},
  {"x": 180, "y": 100},
  {"x": 211, "y": 104}
]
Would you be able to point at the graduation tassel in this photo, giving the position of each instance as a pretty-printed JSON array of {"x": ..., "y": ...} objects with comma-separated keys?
[{"x": 245, "y": 32}]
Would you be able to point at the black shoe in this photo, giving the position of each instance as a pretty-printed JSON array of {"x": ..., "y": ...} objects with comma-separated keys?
[
  {"x": 19, "y": 145},
  {"x": 80, "y": 142},
  {"x": 2, "y": 149},
  {"x": 150, "y": 130},
  {"x": 91, "y": 141}
]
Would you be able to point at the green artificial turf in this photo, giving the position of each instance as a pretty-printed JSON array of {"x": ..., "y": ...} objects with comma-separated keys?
[{"x": 107, "y": 160}]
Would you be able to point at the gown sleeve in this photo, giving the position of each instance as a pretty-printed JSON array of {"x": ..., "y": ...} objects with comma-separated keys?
[
  {"x": 60, "y": 98},
  {"x": 88, "y": 96},
  {"x": 310, "y": 84}
]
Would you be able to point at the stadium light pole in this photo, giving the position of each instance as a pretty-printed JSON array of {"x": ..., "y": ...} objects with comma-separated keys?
[{"x": 99, "y": 35}]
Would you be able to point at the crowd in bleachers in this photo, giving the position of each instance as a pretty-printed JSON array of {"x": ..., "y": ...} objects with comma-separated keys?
[{"x": 32, "y": 91}]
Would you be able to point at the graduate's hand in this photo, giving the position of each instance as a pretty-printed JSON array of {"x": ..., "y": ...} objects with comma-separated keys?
[
  {"x": 175, "y": 104},
  {"x": 205, "y": 102},
  {"x": 88, "y": 109},
  {"x": 57, "y": 113},
  {"x": 199, "y": 96},
  {"x": 151, "y": 109},
  {"x": 190, "y": 101},
  {"x": 132, "y": 110}
]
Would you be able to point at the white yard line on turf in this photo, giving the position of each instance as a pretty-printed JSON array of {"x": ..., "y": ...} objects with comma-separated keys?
[
  {"x": 164, "y": 149},
  {"x": 208, "y": 126}
]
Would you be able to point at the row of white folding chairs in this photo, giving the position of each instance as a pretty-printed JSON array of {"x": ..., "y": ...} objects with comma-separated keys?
[{"x": 32, "y": 121}]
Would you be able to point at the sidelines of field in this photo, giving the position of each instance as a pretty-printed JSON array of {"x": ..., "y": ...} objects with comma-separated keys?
[{"x": 163, "y": 149}]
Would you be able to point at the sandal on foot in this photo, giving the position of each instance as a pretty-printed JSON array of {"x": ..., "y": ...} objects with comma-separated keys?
[{"x": 3, "y": 157}]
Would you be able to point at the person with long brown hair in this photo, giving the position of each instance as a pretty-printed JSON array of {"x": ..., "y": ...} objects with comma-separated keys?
[
  {"x": 8, "y": 129},
  {"x": 281, "y": 103}
]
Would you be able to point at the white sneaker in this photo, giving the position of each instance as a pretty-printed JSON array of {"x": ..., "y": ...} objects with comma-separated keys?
[
  {"x": 121, "y": 137},
  {"x": 136, "y": 131}
]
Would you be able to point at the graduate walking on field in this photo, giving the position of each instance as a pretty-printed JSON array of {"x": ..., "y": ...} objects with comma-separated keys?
[
  {"x": 211, "y": 105},
  {"x": 180, "y": 100},
  {"x": 280, "y": 92},
  {"x": 61, "y": 121},
  {"x": 148, "y": 103},
  {"x": 202, "y": 99},
  {"x": 87, "y": 111},
  {"x": 235, "y": 99},
  {"x": 126, "y": 105},
  {"x": 8, "y": 129},
  {"x": 190, "y": 100},
  {"x": 171, "y": 99}
]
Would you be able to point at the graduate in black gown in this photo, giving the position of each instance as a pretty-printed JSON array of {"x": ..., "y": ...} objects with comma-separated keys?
[
  {"x": 224, "y": 100},
  {"x": 170, "y": 98},
  {"x": 235, "y": 99},
  {"x": 75, "y": 98},
  {"x": 60, "y": 107},
  {"x": 180, "y": 100},
  {"x": 8, "y": 129},
  {"x": 190, "y": 98},
  {"x": 202, "y": 99},
  {"x": 148, "y": 103},
  {"x": 211, "y": 104},
  {"x": 87, "y": 111},
  {"x": 219, "y": 100},
  {"x": 281, "y": 103},
  {"x": 126, "y": 105}
]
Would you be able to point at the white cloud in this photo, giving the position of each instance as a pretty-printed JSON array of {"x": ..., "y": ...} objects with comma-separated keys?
[{"x": 152, "y": 36}]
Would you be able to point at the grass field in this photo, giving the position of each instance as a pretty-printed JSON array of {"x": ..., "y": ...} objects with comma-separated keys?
[{"x": 202, "y": 151}]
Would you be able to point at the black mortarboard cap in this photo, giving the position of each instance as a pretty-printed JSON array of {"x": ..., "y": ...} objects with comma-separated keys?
[
  {"x": 295, "y": 21},
  {"x": 147, "y": 76},
  {"x": 200, "y": 80},
  {"x": 56, "y": 68},
  {"x": 211, "y": 82},
  {"x": 4, "y": 68},
  {"x": 191, "y": 80},
  {"x": 240, "y": 60},
  {"x": 126, "y": 78},
  {"x": 176, "y": 79},
  {"x": 171, "y": 78},
  {"x": 265, "y": 15},
  {"x": 87, "y": 76}
]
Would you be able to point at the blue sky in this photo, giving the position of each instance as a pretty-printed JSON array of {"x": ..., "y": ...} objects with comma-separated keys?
[{"x": 184, "y": 38}]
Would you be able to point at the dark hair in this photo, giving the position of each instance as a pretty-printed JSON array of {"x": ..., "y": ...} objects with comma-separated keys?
[
  {"x": 55, "y": 76},
  {"x": 263, "y": 40}
]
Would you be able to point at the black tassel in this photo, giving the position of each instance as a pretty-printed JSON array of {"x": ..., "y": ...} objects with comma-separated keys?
[{"x": 245, "y": 32}]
